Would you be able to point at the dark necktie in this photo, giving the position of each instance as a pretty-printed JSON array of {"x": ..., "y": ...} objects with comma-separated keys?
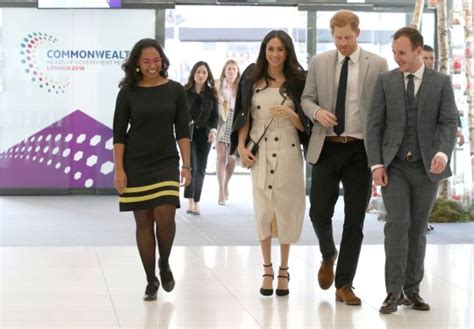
[
  {"x": 411, "y": 89},
  {"x": 341, "y": 98}
]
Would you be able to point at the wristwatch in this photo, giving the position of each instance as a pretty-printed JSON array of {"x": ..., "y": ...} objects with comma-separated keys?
[{"x": 184, "y": 166}]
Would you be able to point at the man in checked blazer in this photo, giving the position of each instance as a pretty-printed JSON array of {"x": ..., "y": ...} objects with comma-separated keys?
[
  {"x": 336, "y": 148},
  {"x": 411, "y": 133}
]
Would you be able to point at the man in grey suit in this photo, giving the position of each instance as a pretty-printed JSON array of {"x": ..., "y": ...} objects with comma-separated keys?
[
  {"x": 336, "y": 98},
  {"x": 411, "y": 134}
]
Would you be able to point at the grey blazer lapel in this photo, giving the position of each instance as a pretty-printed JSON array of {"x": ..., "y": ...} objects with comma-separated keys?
[
  {"x": 331, "y": 68},
  {"x": 363, "y": 68},
  {"x": 424, "y": 90}
]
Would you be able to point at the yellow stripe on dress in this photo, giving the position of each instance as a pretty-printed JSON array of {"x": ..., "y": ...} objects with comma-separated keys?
[
  {"x": 148, "y": 197},
  {"x": 151, "y": 187}
]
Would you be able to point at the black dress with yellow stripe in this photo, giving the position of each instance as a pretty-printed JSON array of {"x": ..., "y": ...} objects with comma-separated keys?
[{"x": 149, "y": 121}]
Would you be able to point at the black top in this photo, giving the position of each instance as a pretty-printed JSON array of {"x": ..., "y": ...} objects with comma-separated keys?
[
  {"x": 149, "y": 120},
  {"x": 203, "y": 109}
]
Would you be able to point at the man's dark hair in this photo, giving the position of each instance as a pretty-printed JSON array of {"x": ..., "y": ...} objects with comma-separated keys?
[
  {"x": 428, "y": 48},
  {"x": 415, "y": 37}
]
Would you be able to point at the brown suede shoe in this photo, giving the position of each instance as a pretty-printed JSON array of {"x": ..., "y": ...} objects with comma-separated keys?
[
  {"x": 326, "y": 272},
  {"x": 417, "y": 302},
  {"x": 347, "y": 296}
]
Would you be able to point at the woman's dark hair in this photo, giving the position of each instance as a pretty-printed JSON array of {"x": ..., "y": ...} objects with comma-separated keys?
[
  {"x": 209, "y": 84},
  {"x": 130, "y": 66},
  {"x": 292, "y": 69}
]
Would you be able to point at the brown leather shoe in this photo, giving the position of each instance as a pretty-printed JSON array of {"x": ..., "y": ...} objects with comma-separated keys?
[
  {"x": 347, "y": 296},
  {"x": 326, "y": 272},
  {"x": 418, "y": 303},
  {"x": 390, "y": 304}
]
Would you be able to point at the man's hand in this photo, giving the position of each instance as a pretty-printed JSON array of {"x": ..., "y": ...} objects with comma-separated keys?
[
  {"x": 437, "y": 165},
  {"x": 326, "y": 118},
  {"x": 380, "y": 177}
]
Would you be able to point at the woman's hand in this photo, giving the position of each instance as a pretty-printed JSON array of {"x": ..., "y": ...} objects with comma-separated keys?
[
  {"x": 246, "y": 158},
  {"x": 185, "y": 177},
  {"x": 282, "y": 111},
  {"x": 212, "y": 136},
  {"x": 120, "y": 180}
]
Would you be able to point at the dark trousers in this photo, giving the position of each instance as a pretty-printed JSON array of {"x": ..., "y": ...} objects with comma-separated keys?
[
  {"x": 200, "y": 149},
  {"x": 346, "y": 163}
]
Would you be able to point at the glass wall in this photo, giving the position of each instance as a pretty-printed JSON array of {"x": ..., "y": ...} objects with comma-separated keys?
[
  {"x": 59, "y": 72},
  {"x": 191, "y": 36}
]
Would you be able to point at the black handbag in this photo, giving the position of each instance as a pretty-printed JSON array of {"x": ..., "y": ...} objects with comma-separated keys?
[{"x": 253, "y": 146}]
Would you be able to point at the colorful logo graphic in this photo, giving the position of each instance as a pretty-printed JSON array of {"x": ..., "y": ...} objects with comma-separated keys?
[{"x": 31, "y": 59}]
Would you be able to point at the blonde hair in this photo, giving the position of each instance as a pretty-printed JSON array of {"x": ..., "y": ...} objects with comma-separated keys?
[
  {"x": 231, "y": 62},
  {"x": 343, "y": 18}
]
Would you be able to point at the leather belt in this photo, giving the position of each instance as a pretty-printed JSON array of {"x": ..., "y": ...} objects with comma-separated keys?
[
  {"x": 342, "y": 139},
  {"x": 410, "y": 158}
]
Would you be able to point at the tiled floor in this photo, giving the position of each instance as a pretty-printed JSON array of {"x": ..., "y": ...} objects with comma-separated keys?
[
  {"x": 71, "y": 262},
  {"x": 217, "y": 287}
]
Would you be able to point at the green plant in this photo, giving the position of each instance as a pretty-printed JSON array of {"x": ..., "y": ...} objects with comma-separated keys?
[{"x": 449, "y": 211}]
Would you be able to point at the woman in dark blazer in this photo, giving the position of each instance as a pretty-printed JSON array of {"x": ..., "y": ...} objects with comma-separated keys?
[{"x": 203, "y": 112}]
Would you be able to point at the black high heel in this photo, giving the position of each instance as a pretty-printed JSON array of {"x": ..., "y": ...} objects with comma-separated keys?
[
  {"x": 151, "y": 291},
  {"x": 283, "y": 292},
  {"x": 267, "y": 292},
  {"x": 167, "y": 279}
]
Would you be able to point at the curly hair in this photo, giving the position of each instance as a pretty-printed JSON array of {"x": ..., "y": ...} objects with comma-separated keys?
[
  {"x": 292, "y": 69},
  {"x": 132, "y": 77},
  {"x": 209, "y": 84}
]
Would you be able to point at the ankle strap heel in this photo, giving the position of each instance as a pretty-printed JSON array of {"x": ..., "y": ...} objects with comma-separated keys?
[
  {"x": 283, "y": 292},
  {"x": 267, "y": 292}
]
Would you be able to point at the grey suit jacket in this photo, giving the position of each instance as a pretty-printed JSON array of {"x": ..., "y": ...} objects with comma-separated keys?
[
  {"x": 436, "y": 119},
  {"x": 319, "y": 92}
]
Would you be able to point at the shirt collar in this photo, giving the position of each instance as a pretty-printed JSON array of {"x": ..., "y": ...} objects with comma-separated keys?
[
  {"x": 354, "y": 56},
  {"x": 418, "y": 73}
]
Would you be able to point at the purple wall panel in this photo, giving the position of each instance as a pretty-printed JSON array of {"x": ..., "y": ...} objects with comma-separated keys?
[{"x": 74, "y": 152}]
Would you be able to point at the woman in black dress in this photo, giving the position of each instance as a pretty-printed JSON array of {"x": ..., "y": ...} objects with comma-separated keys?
[
  {"x": 203, "y": 111},
  {"x": 150, "y": 116}
]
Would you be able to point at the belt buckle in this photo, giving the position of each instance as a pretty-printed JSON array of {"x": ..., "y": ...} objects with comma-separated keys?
[
  {"x": 343, "y": 139},
  {"x": 409, "y": 158}
]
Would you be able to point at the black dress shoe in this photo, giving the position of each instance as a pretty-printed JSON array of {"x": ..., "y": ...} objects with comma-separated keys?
[
  {"x": 418, "y": 303},
  {"x": 390, "y": 304},
  {"x": 151, "y": 291}
]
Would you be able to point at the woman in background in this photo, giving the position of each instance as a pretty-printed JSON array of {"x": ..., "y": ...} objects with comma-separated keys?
[
  {"x": 150, "y": 116},
  {"x": 227, "y": 90},
  {"x": 202, "y": 101}
]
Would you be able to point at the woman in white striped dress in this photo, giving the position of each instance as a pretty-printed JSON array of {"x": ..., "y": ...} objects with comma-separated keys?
[{"x": 273, "y": 111}]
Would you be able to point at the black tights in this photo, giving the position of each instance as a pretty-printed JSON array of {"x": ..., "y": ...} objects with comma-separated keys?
[{"x": 145, "y": 219}]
